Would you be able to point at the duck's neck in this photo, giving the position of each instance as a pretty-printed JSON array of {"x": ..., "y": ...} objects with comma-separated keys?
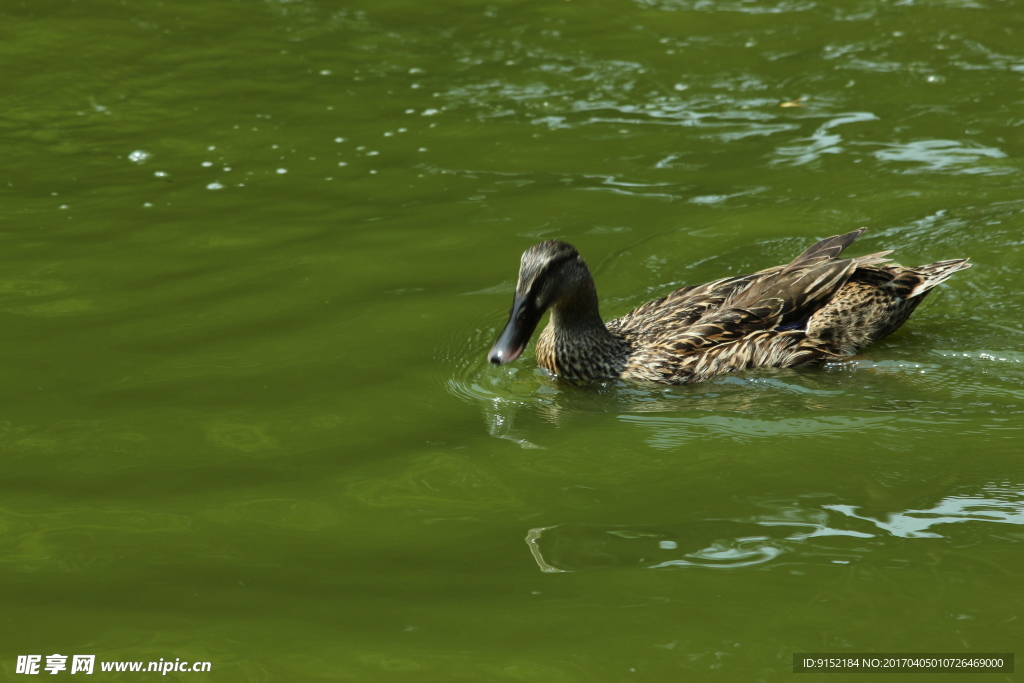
[{"x": 576, "y": 344}]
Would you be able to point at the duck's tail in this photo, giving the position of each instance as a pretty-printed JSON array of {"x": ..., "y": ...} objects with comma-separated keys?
[{"x": 936, "y": 273}]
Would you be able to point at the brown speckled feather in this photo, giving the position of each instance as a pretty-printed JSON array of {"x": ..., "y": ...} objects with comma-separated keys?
[{"x": 815, "y": 308}]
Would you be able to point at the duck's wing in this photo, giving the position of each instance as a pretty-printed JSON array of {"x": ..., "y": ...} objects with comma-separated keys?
[
  {"x": 873, "y": 303},
  {"x": 731, "y": 308},
  {"x": 807, "y": 282}
]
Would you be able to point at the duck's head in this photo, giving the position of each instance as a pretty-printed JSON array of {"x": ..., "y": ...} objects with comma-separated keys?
[{"x": 551, "y": 274}]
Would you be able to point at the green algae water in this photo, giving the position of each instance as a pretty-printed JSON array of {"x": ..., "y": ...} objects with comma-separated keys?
[{"x": 254, "y": 254}]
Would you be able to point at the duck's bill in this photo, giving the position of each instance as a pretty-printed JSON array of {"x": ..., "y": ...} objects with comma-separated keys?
[{"x": 522, "y": 321}]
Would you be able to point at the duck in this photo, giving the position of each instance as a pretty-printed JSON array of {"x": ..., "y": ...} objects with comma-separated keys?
[{"x": 817, "y": 308}]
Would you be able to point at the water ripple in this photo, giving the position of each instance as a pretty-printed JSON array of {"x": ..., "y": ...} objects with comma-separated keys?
[
  {"x": 946, "y": 155},
  {"x": 952, "y": 510},
  {"x": 803, "y": 532}
]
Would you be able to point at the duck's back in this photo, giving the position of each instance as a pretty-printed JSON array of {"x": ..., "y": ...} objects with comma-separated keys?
[{"x": 816, "y": 308}]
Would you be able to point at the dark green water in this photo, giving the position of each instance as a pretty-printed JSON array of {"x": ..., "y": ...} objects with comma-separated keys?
[{"x": 254, "y": 253}]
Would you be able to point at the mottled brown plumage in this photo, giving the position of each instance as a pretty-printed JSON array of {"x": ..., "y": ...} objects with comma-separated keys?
[{"x": 817, "y": 308}]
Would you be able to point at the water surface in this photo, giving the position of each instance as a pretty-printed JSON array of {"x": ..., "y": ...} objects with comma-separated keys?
[{"x": 254, "y": 254}]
